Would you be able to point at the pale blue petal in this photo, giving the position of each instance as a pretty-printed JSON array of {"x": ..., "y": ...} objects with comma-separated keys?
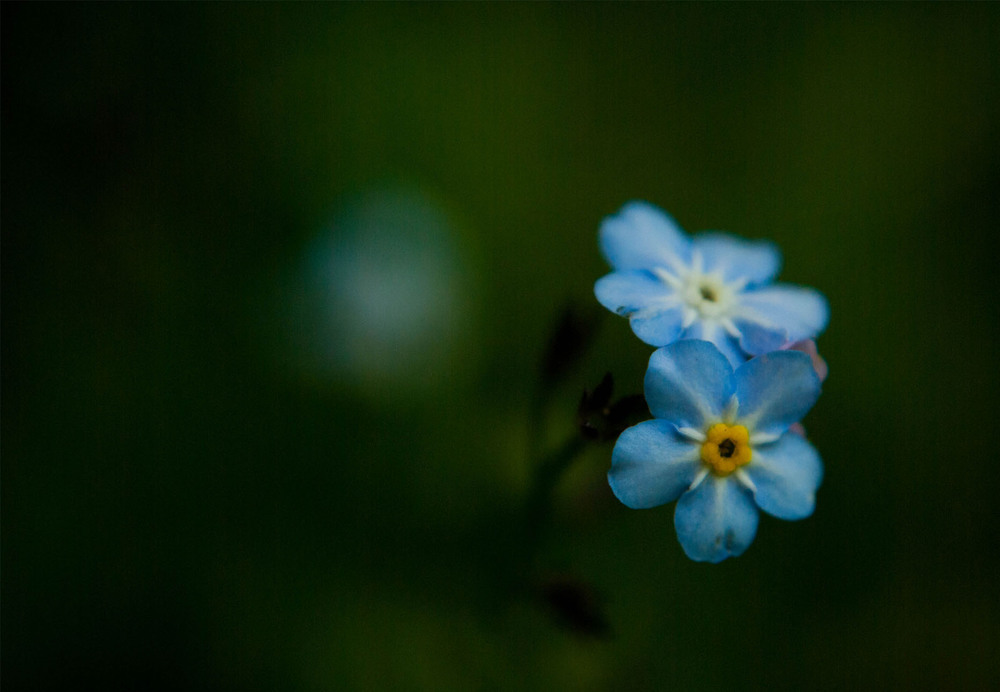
[
  {"x": 808, "y": 347},
  {"x": 775, "y": 390},
  {"x": 696, "y": 330},
  {"x": 716, "y": 520},
  {"x": 786, "y": 474},
  {"x": 642, "y": 236},
  {"x": 658, "y": 328},
  {"x": 730, "y": 348},
  {"x": 727, "y": 345},
  {"x": 803, "y": 312},
  {"x": 755, "y": 338},
  {"x": 688, "y": 383},
  {"x": 756, "y": 261},
  {"x": 626, "y": 292},
  {"x": 652, "y": 464}
]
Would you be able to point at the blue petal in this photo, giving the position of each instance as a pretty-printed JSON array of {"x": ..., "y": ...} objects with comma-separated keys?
[
  {"x": 786, "y": 474},
  {"x": 756, "y": 261},
  {"x": 755, "y": 338},
  {"x": 729, "y": 346},
  {"x": 716, "y": 520},
  {"x": 658, "y": 328},
  {"x": 626, "y": 292},
  {"x": 642, "y": 236},
  {"x": 652, "y": 464},
  {"x": 775, "y": 390},
  {"x": 688, "y": 383},
  {"x": 803, "y": 312}
]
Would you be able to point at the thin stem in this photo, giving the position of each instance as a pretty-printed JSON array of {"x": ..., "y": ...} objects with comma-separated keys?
[{"x": 547, "y": 475}]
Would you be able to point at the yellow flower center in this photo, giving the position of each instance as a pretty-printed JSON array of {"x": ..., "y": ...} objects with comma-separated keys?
[{"x": 726, "y": 448}]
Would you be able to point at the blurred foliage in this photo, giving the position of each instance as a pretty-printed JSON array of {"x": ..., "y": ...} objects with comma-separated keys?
[{"x": 178, "y": 508}]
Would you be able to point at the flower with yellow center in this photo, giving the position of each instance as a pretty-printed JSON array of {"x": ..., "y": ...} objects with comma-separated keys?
[{"x": 720, "y": 444}]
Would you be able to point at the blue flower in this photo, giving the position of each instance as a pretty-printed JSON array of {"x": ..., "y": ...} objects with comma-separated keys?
[
  {"x": 720, "y": 442},
  {"x": 714, "y": 286}
]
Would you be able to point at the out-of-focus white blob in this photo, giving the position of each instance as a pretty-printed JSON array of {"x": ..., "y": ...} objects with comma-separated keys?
[{"x": 382, "y": 299}]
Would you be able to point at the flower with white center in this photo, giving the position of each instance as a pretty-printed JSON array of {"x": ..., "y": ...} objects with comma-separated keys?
[
  {"x": 714, "y": 286},
  {"x": 720, "y": 444}
]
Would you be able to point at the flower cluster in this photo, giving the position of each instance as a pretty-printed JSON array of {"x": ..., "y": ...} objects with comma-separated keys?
[{"x": 735, "y": 371}]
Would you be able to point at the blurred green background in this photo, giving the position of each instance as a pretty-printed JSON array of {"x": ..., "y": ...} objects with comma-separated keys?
[{"x": 277, "y": 279}]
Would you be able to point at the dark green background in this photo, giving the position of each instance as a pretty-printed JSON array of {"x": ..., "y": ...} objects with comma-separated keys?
[{"x": 181, "y": 506}]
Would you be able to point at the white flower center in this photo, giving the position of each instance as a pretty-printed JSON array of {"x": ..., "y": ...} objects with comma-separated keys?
[
  {"x": 703, "y": 295},
  {"x": 707, "y": 294}
]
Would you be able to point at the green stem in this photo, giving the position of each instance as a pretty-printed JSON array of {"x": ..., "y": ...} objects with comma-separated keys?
[{"x": 540, "y": 498}]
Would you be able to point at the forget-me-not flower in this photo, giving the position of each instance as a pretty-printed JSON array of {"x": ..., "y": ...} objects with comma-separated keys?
[
  {"x": 720, "y": 442},
  {"x": 714, "y": 286}
]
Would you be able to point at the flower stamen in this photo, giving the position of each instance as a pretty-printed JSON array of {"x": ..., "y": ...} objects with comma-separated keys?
[{"x": 726, "y": 448}]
